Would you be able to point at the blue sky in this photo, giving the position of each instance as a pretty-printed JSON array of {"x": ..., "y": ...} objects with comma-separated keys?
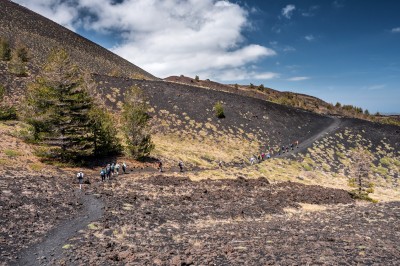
[{"x": 338, "y": 50}]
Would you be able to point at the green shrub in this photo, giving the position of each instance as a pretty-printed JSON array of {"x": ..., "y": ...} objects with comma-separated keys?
[
  {"x": 5, "y": 51},
  {"x": 8, "y": 113},
  {"x": 363, "y": 196},
  {"x": 219, "y": 110},
  {"x": 197, "y": 78},
  {"x": 12, "y": 153},
  {"x": 17, "y": 66},
  {"x": 22, "y": 53}
]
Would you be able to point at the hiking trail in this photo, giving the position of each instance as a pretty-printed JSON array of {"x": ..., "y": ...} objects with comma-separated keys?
[
  {"x": 50, "y": 249},
  {"x": 304, "y": 145}
]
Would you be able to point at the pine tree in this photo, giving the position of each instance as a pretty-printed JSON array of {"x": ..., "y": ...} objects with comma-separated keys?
[
  {"x": 135, "y": 123},
  {"x": 60, "y": 104}
]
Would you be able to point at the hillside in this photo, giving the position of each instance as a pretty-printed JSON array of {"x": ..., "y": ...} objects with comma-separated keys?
[
  {"x": 23, "y": 27},
  {"x": 298, "y": 100},
  {"x": 221, "y": 209}
]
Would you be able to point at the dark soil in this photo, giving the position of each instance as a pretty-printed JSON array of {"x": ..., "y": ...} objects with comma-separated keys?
[
  {"x": 30, "y": 206},
  {"x": 270, "y": 123},
  {"x": 173, "y": 221}
]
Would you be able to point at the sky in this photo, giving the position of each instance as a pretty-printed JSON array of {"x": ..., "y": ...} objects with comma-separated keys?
[{"x": 345, "y": 51}]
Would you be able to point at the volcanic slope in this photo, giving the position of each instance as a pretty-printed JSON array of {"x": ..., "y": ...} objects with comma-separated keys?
[
  {"x": 186, "y": 128},
  {"x": 23, "y": 27}
]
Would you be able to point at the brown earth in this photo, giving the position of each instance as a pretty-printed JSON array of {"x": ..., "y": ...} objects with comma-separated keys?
[{"x": 170, "y": 220}]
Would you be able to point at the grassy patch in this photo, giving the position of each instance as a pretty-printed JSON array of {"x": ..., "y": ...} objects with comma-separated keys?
[
  {"x": 36, "y": 166},
  {"x": 12, "y": 153}
]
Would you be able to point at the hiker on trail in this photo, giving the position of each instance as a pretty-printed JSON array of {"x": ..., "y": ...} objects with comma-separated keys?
[
  {"x": 124, "y": 167},
  {"x": 117, "y": 168},
  {"x": 262, "y": 156},
  {"x": 160, "y": 166},
  {"x": 108, "y": 171},
  {"x": 252, "y": 160},
  {"x": 80, "y": 179},
  {"x": 112, "y": 169},
  {"x": 291, "y": 146},
  {"x": 103, "y": 175},
  {"x": 297, "y": 144},
  {"x": 180, "y": 164},
  {"x": 287, "y": 149},
  {"x": 268, "y": 156},
  {"x": 220, "y": 164}
]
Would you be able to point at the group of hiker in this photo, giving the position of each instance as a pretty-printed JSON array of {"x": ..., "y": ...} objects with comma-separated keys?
[
  {"x": 112, "y": 170},
  {"x": 270, "y": 152}
]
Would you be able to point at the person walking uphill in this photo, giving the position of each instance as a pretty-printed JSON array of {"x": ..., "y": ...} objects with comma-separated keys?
[
  {"x": 160, "y": 166},
  {"x": 180, "y": 164},
  {"x": 117, "y": 168},
  {"x": 103, "y": 175},
  {"x": 80, "y": 179},
  {"x": 124, "y": 167}
]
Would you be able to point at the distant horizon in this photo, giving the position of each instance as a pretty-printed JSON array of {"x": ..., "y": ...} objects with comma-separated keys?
[{"x": 329, "y": 49}]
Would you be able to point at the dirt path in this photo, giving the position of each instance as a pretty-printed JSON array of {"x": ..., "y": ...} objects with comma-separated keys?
[
  {"x": 304, "y": 145},
  {"x": 50, "y": 249}
]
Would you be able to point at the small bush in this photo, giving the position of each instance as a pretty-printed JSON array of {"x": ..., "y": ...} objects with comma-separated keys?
[
  {"x": 2, "y": 92},
  {"x": 8, "y": 113},
  {"x": 197, "y": 78},
  {"x": 5, "y": 51},
  {"x": 22, "y": 53},
  {"x": 219, "y": 110},
  {"x": 12, "y": 153},
  {"x": 17, "y": 66},
  {"x": 363, "y": 196}
]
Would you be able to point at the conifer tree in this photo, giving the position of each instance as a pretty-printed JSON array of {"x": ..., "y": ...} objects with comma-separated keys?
[{"x": 58, "y": 107}]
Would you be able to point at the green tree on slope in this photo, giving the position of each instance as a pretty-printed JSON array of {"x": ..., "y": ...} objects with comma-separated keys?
[
  {"x": 58, "y": 108},
  {"x": 135, "y": 114}
]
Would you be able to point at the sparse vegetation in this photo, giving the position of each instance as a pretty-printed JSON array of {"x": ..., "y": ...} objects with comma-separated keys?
[
  {"x": 197, "y": 78},
  {"x": 7, "y": 111},
  {"x": 17, "y": 65},
  {"x": 219, "y": 110},
  {"x": 360, "y": 170},
  {"x": 12, "y": 153}
]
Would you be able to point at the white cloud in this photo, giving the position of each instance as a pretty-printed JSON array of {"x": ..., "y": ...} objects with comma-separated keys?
[
  {"x": 298, "y": 78},
  {"x": 59, "y": 11},
  {"x": 338, "y": 3},
  {"x": 167, "y": 37},
  {"x": 287, "y": 11},
  {"x": 396, "y": 30},
  {"x": 309, "y": 37},
  {"x": 289, "y": 49},
  {"x": 310, "y": 12},
  {"x": 237, "y": 74},
  {"x": 376, "y": 87}
]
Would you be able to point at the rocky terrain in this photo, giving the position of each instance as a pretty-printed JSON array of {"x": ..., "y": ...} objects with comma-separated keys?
[
  {"x": 292, "y": 209},
  {"x": 170, "y": 220}
]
